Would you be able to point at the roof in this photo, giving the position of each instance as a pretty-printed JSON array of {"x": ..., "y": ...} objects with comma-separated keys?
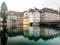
[
  {"x": 33, "y": 10},
  {"x": 15, "y": 12},
  {"x": 48, "y": 10}
]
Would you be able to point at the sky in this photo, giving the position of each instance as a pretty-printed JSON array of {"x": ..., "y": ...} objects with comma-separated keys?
[{"x": 22, "y": 5}]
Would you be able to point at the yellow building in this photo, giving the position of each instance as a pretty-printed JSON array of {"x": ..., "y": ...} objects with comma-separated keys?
[{"x": 26, "y": 18}]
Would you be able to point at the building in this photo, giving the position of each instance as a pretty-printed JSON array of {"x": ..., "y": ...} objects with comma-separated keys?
[
  {"x": 19, "y": 19},
  {"x": 49, "y": 15},
  {"x": 11, "y": 19},
  {"x": 34, "y": 17},
  {"x": 26, "y": 20},
  {"x": 15, "y": 18}
]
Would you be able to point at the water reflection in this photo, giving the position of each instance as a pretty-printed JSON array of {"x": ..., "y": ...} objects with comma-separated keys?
[
  {"x": 32, "y": 32},
  {"x": 48, "y": 33},
  {"x": 4, "y": 39},
  {"x": 4, "y": 35},
  {"x": 35, "y": 33},
  {"x": 29, "y": 32},
  {"x": 14, "y": 31}
]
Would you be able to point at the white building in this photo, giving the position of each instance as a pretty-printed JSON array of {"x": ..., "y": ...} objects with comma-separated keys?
[{"x": 34, "y": 16}]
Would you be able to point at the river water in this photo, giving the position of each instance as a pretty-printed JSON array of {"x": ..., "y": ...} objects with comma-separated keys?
[{"x": 30, "y": 35}]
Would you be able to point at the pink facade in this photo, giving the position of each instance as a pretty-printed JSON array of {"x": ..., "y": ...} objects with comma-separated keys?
[{"x": 19, "y": 20}]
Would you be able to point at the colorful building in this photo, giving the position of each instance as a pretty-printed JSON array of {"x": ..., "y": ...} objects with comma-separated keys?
[
  {"x": 19, "y": 19},
  {"x": 26, "y": 20}
]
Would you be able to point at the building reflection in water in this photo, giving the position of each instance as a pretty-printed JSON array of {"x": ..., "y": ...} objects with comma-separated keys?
[
  {"x": 48, "y": 33},
  {"x": 11, "y": 32},
  {"x": 30, "y": 32},
  {"x": 35, "y": 33}
]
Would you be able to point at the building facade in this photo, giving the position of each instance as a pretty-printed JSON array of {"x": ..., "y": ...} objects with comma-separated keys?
[
  {"x": 19, "y": 19},
  {"x": 49, "y": 15},
  {"x": 15, "y": 18},
  {"x": 11, "y": 19},
  {"x": 34, "y": 16},
  {"x": 26, "y": 20}
]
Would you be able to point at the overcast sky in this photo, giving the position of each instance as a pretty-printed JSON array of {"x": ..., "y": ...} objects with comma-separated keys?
[{"x": 21, "y": 5}]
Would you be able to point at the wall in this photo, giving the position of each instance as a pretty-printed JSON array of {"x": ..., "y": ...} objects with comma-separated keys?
[
  {"x": 49, "y": 17},
  {"x": 26, "y": 18},
  {"x": 10, "y": 19}
]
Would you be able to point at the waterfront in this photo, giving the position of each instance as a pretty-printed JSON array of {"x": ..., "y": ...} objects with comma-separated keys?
[{"x": 29, "y": 35}]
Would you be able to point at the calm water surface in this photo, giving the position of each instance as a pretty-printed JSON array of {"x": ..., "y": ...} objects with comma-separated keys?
[{"x": 28, "y": 35}]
